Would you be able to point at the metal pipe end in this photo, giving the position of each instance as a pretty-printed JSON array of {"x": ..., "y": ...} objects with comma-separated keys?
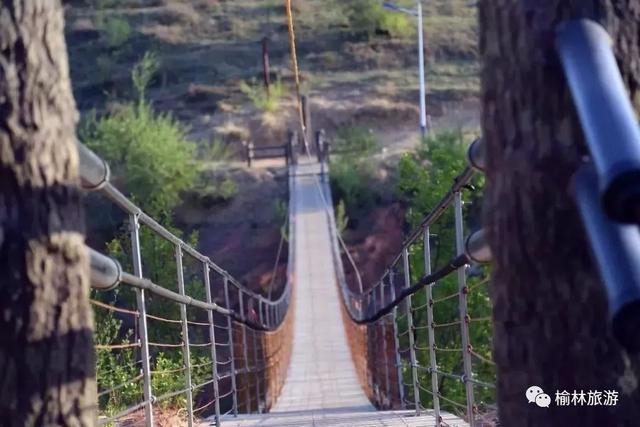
[
  {"x": 94, "y": 171},
  {"x": 476, "y": 155},
  {"x": 477, "y": 247},
  {"x": 106, "y": 272}
]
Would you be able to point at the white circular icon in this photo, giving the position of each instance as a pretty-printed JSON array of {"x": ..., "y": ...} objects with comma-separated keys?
[
  {"x": 532, "y": 392},
  {"x": 543, "y": 400}
]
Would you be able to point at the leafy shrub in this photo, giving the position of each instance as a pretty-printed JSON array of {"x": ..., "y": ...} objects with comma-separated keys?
[
  {"x": 117, "y": 31},
  {"x": 370, "y": 17},
  {"x": 217, "y": 151},
  {"x": 424, "y": 178},
  {"x": 342, "y": 221},
  {"x": 257, "y": 93},
  {"x": 148, "y": 151},
  {"x": 143, "y": 72},
  {"x": 351, "y": 175},
  {"x": 149, "y": 156},
  {"x": 115, "y": 368},
  {"x": 355, "y": 141}
]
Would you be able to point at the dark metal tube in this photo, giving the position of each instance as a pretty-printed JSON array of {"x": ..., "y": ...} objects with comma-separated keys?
[
  {"x": 106, "y": 272},
  {"x": 94, "y": 172},
  {"x": 477, "y": 247},
  {"x": 607, "y": 116},
  {"x": 476, "y": 155},
  {"x": 616, "y": 248}
]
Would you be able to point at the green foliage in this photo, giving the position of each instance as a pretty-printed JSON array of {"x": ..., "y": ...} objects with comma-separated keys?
[
  {"x": 370, "y": 17},
  {"x": 115, "y": 368},
  {"x": 281, "y": 215},
  {"x": 424, "y": 178},
  {"x": 152, "y": 160},
  {"x": 355, "y": 142},
  {"x": 351, "y": 174},
  {"x": 217, "y": 151},
  {"x": 117, "y": 31},
  {"x": 257, "y": 94},
  {"x": 148, "y": 151},
  {"x": 342, "y": 220},
  {"x": 143, "y": 72},
  {"x": 169, "y": 376}
]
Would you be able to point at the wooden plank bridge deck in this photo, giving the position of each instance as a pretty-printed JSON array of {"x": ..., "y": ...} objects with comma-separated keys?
[{"x": 322, "y": 387}]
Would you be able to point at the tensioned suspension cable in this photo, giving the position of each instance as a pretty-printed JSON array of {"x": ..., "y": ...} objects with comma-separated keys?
[{"x": 296, "y": 72}]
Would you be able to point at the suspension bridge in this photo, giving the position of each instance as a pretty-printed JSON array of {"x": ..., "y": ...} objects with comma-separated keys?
[
  {"x": 326, "y": 351},
  {"x": 287, "y": 361}
]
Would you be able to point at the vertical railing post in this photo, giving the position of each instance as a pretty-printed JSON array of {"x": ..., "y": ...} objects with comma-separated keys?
[
  {"x": 185, "y": 337},
  {"x": 142, "y": 321},
  {"x": 374, "y": 338},
  {"x": 383, "y": 323},
  {"x": 396, "y": 340},
  {"x": 464, "y": 325},
  {"x": 412, "y": 347},
  {"x": 433, "y": 366},
  {"x": 231, "y": 349},
  {"x": 306, "y": 115},
  {"x": 212, "y": 338},
  {"x": 256, "y": 372},
  {"x": 245, "y": 354}
]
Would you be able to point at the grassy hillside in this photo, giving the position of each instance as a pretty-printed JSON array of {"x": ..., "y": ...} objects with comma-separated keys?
[{"x": 357, "y": 72}]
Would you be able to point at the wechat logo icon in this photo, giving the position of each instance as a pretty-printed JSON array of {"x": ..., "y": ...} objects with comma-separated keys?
[{"x": 536, "y": 395}]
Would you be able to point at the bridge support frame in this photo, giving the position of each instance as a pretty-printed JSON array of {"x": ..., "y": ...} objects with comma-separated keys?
[
  {"x": 212, "y": 337},
  {"x": 396, "y": 339},
  {"x": 412, "y": 346},
  {"x": 231, "y": 348},
  {"x": 383, "y": 325},
  {"x": 464, "y": 324},
  {"x": 186, "y": 356},
  {"x": 245, "y": 356},
  {"x": 134, "y": 231},
  {"x": 433, "y": 365}
]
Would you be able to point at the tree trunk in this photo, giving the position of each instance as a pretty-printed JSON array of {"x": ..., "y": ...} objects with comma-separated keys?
[
  {"x": 47, "y": 370},
  {"x": 550, "y": 308}
]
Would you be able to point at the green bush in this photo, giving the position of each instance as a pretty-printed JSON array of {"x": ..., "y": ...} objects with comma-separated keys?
[
  {"x": 143, "y": 72},
  {"x": 351, "y": 174},
  {"x": 148, "y": 151},
  {"x": 424, "y": 178},
  {"x": 342, "y": 220},
  {"x": 152, "y": 160},
  {"x": 117, "y": 31},
  {"x": 257, "y": 94},
  {"x": 356, "y": 142},
  {"x": 370, "y": 17},
  {"x": 115, "y": 368}
]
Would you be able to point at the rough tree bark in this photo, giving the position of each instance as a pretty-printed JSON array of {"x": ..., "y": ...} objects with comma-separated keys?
[
  {"x": 550, "y": 309},
  {"x": 47, "y": 371}
]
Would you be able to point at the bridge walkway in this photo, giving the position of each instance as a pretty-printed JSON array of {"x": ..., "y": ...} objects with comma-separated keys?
[{"x": 322, "y": 387}]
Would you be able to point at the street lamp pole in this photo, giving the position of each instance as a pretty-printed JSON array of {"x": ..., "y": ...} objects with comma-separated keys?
[
  {"x": 423, "y": 102},
  {"x": 423, "y": 94}
]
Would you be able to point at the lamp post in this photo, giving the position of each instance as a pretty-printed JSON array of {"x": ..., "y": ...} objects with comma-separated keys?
[{"x": 418, "y": 14}]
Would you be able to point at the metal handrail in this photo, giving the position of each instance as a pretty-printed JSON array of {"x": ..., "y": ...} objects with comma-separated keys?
[
  {"x": 92, "y": 165},
  {"x": 382, "y": 303},
  {"x": 262, "y": 315},
  {"x": 476, "y": 244}
]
